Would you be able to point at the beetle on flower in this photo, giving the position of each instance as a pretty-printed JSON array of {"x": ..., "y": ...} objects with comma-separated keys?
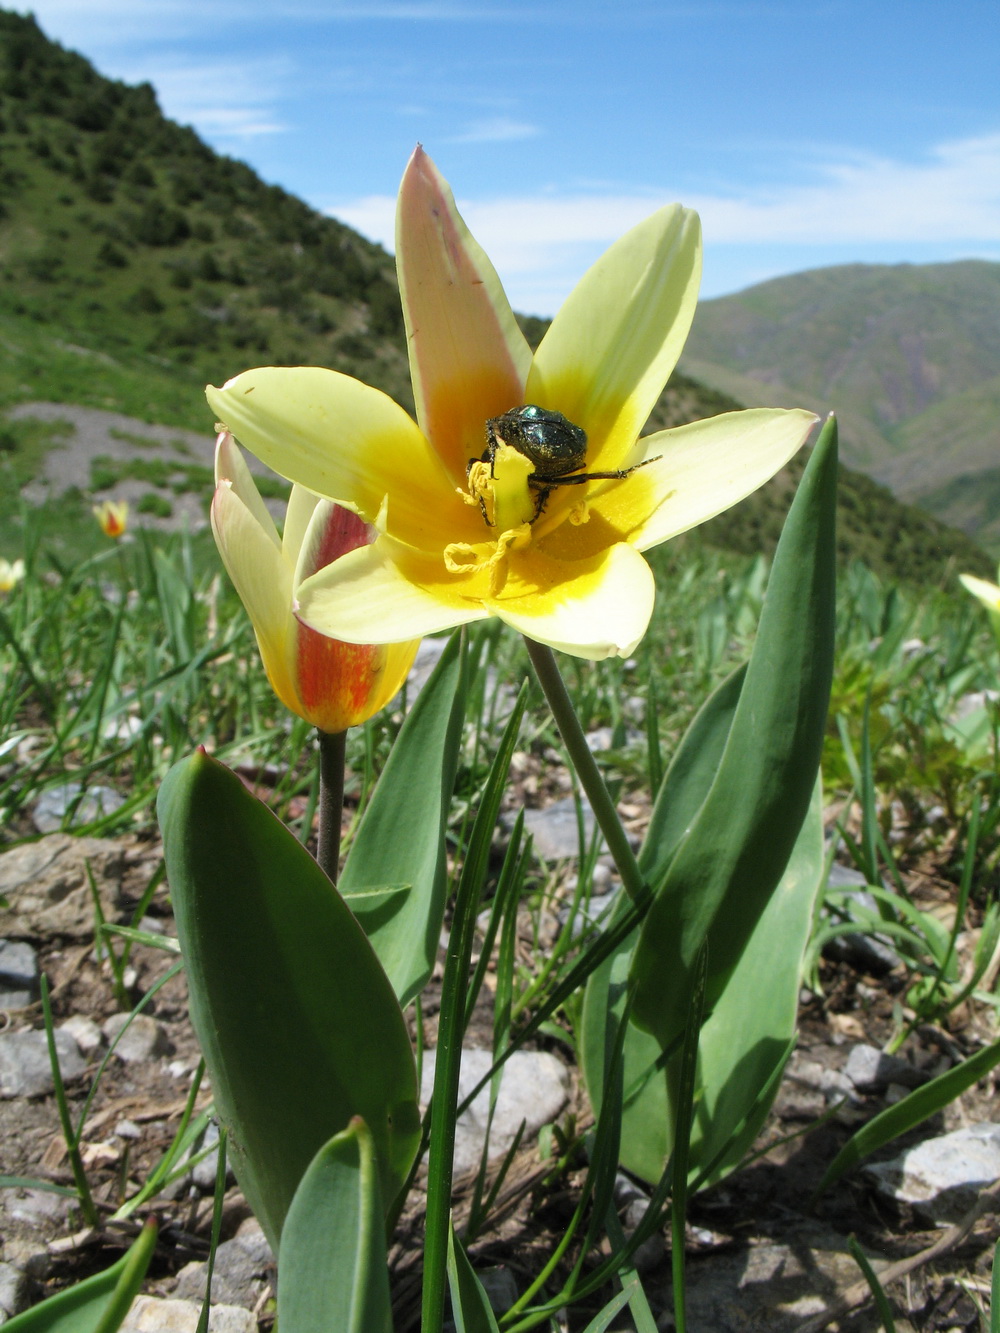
[{"x": 470, "y": 522}]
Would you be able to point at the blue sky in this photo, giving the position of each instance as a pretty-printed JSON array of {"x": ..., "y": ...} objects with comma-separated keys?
[{"x": 806, "y": 133}]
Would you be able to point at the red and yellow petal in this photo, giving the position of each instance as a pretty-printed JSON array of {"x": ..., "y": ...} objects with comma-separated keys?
[{"x": 468, "y": 358}]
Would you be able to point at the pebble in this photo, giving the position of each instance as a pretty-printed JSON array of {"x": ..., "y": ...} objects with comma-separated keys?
[
  {"x": 151, "y": 1314},
  {"x": 556, "y": 832},
  {"x": 53, "y": 806},
  {"x": 25, "y": 1070},
  {"x": 871, "y": 1070},
  {"x": 534, "y": 1087},
  {"x": 942, "y": 1177},
  {"x": 144, "y": 1038},
  {"x": 243, "y": 1267},
  {"x": 204, "y": 1172},
  {"x": 867, "y": 952},
  {"x": 18, "y": 974},
  {"x": 15, "y": 1291},
  {"x": 84, "y": 1032},
  {"x": 47, "y": 888}
]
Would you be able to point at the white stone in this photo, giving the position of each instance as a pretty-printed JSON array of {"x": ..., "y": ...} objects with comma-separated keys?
[
  {"x": 14, "y": 1291},
  {"x": 534, "y": 1088},
  {"x": 25, "y": 1069},
  {"x": 143, "y": 1039},
  {"x": 942, "y": 1177},
  {"x": 84, "y": 1032},
  {"x": 150, "y": 1314}
]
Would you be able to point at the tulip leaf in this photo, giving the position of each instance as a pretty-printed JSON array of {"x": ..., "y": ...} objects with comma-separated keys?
[
  {"x": 333, "y": 1255},
  {"x": 297, "y": 1021},
  {"x": 744, "y": 1043},
  {"x": 401, "y": 839},
  {"x": 718, "y": 882},
  {"x": 100, "y": 1303},
  {"x": 470, "y": 1306}
]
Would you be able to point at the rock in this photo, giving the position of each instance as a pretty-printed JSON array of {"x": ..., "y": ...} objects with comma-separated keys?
[
  {"x": 204, "y": 1172},
  {"x": 58, "y": 805},
  {"x": 150, "y": 1314},
  {"x": 143, "y": 1039},
  {"x": 834, "y": 1085},
  {"x": 632, "y": 1202},
  {"x": 871, "y": 1070},
  {"x": 15, "y": 1290},
  {"x": 942, "y": 1177},
  {"x": 588, "y": 912},
  {"x": 18, "y": 975},
  {"x": 25, "y": 1070},
  {"x": 500, "y": 1286},
  {"x": 43, "y": 1210},
  {"x": 46, "y": 886},
  {"x": 534, "y": 1087},
  {"x": 243, "y": 1267},
  {"x": 556, "y": 831},
  {"x": 84, "y": 1032},
  {"x": 866, "y": 951}
]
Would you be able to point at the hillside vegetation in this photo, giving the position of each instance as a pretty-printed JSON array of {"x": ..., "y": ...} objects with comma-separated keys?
[
  {"x": 908, "y": 355},
  {"x": 136, "y": 264}
]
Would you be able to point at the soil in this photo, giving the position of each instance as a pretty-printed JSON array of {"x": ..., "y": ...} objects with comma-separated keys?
[{"x": 753, "y": 1240}]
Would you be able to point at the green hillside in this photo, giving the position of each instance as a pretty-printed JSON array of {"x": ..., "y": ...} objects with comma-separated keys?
[
  {"x": 136, "y": 264},
  {"x": 908, "y": 355}
]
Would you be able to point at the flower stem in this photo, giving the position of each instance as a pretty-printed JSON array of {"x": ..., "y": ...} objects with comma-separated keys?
[
  {"x": 332, "y": 749},
  {"x": 551, "y": 681}
]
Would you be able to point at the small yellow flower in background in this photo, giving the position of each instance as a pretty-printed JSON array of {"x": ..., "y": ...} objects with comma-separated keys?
[
  {"x": 112, "y": 515},
  {"x": 525, "y": 491},
  {"x": 988, "y": 593},
  {"x": 331, "y": 684},
  {"x": 11, "y": 575}
]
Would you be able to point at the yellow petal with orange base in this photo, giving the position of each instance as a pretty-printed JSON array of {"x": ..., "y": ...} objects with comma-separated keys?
[{"x": 468, "y": 358}]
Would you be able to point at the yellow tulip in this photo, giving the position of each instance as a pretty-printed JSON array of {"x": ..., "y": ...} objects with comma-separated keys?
[
  {"x": 988, "y": 593},
  {"x": 112, "y": 515},
  {"x": 469, "y": 522},
  {"x": 11, "y": 575},
  {"x": 331, "y": 684}
]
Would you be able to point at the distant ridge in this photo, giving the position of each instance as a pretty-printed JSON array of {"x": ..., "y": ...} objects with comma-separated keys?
[
  {"x": 136, "y": 264},
  {"x": 909, "y": 357}
]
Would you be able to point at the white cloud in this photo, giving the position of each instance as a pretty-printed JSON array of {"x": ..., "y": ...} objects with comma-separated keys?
[
  {"x": 221, "y": 99},
  {"x": 498, "y": 129},
  {"x": 541, "y": 244}
]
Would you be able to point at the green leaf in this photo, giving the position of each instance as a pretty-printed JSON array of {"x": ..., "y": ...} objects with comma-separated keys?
[
  {"x": 916, "y": 1107},
  {"x": 297, "y": 1021},
  {"x": 333, "y": 1272},
  {"x": 726, "y": 867},
  {"x": 401, "y": 839},
  {"x": 100, "y": 1303},
  {"x": 470, "y": 1306}
]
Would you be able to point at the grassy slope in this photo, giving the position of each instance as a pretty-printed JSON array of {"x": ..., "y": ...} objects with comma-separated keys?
[
  {"x": 906, "y": 354},
  {"x": 136, "y": 264}
]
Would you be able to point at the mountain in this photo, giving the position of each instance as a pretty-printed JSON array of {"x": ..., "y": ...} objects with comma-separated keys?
[
  {"x": 136, "y": 264},
  {"x": 908, "y": 355}
]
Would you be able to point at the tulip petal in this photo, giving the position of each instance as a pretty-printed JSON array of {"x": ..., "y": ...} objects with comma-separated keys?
[
  {"x": 231, "y": 467},
  {"x": 468, "y": 358},
  {"x": 345, "y": 441},
  {"x": 612, "y": 346},
  {"x": 365, "y": 597},
  {"x": 263, "y": 580},
  {"x": 594, "y": 608},
  {"x": 988, "y": 593},
  {"x": 301, "y": 507},
  {"x": 698, "y": 471}
]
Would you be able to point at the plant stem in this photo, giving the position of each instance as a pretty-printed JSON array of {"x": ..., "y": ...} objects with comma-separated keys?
[
  {"x": 332, "y": 749},
  {"x": 551, "y": 681}
]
